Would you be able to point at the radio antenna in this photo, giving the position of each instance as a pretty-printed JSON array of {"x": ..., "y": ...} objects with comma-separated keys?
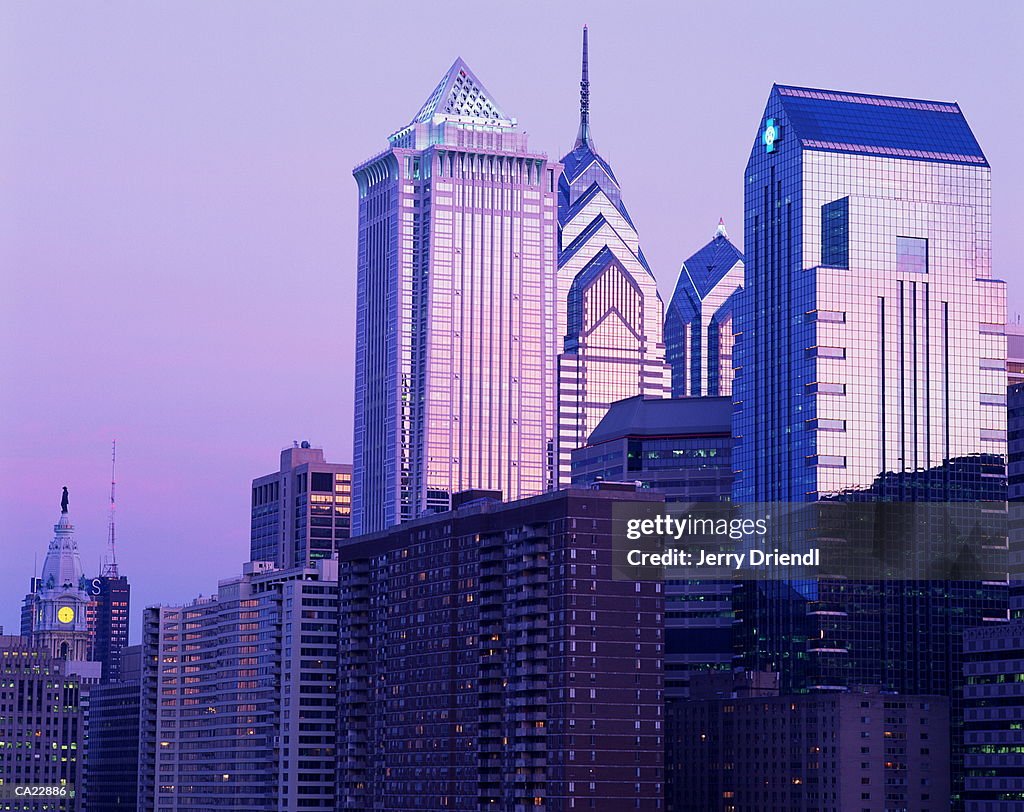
[{"x": 110, "y": 570}]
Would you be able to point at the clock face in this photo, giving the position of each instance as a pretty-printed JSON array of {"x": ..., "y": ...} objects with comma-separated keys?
[{"x": 65, "y": 614}]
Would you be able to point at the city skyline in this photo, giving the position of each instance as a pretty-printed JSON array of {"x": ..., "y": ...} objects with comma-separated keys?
[{"x": 96, "y": 305}]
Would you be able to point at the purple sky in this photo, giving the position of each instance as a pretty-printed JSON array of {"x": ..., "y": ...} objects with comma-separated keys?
[{"x": 177, "y": 213}]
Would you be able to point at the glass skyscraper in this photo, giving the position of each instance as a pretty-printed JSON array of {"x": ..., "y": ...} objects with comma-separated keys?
[
  {"x": 870, "y": 366},
  {"x": 610, "y": 313},
  {"x": 699, "y": 332},
  {"x": 455, "y": 311},
  {"x": 872, "y": 335}
]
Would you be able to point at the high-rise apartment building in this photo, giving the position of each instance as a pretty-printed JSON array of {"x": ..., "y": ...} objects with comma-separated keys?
[
  {"x": 489, "y": 660},
  {"x": 301, "y": 512},
  {"x": 870, "y": 365},
  {"x": 609, "y": 309},
  {"x": 239, "y": 692},
  {"x": 40, "y": 725},
  {"x": 700, "y": 320},
  {"x": 455, "y": 310}
]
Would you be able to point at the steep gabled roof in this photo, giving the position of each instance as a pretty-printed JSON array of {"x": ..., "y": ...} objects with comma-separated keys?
[
  {"x": 887, "y": 126},
  {"x": 708, "y": 265}
]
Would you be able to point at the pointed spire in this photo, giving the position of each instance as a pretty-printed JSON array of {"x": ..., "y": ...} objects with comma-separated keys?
[
  {"x": 720, "y": 231},
  {"x": 583, "y": 138}
]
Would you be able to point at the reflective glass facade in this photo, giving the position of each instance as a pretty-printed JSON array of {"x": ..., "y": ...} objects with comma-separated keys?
[
  {"x": 871, "y": 363},
  {"x": 455, "y": 310},
  {"x": 699, "y": 322}
]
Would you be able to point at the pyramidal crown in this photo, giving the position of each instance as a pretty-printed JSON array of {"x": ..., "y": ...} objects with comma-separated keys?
[{"x": 461, "y": 96}]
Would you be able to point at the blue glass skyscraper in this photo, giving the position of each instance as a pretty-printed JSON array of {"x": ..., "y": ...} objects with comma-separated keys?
[
  {"x": 871, "y": 336},
  {"x": 870, "y": 365},
  {"x": 699, "y": 333}
]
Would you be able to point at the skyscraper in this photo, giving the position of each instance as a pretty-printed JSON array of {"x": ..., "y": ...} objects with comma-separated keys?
[
  {"x": 609, "y": 313},
  {"x": 112, "y": 744},
  {"x": 302, "y": 511},
  {"x": 108, "y": 618},
  {"x": 871, "y": 328},
  {"x": 871, "y": 365},
  {"x": 700, "y": 319},
  {"x": 753, "y": 750},
  {"x": 455, "y": 310}
]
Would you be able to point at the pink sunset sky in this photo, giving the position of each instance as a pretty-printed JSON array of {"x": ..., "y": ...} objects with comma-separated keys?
[{"x": 178, "y": 216}]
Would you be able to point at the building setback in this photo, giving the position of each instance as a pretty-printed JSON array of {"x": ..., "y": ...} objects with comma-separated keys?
[
  {"x": 302, "y": 511},
  {"x": 862, "y": 751},
  {"x": 455, "y": 310},
  {"x": 488, "y": 661},
  {"x": 40, "y": 724},
  {"x": 238, "y": 700},
  {"x": 609, "y": 309}
]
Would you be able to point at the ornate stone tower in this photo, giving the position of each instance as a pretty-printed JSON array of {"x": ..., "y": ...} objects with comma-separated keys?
[{"x": 59, "y": 605}]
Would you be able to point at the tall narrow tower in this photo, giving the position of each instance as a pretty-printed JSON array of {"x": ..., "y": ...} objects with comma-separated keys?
[
  {"x": 609, "y": 310},
  {"x": 455, "y": 310},
  {"x": 59, "y": 605}
]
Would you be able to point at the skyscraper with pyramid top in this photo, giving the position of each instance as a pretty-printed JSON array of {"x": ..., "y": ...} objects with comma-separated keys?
[{"x": 455, "y": 312}]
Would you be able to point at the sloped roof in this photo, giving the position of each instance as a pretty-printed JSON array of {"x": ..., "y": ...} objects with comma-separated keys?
[
  {"x": 887, "y": 126},
  {"x": 709, "y": 264},
  {"x": 461, "y": 94},
  {"x": 664, "y": 417}
]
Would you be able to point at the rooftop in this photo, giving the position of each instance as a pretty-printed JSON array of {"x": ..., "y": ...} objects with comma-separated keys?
[
  {"x": 887, "y": 126},
  {"x": 664, "y": 417}
]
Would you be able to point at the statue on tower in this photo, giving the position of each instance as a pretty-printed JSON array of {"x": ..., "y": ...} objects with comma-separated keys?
[{"x": 64, "y": 500}]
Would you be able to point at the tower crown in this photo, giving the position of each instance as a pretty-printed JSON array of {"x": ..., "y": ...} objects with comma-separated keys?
[
  {"x": 461, "y": 96},
  {"x": 62, "y": 567}
]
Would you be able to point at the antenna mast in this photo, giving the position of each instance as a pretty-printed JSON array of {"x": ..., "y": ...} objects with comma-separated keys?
[{"x": 110, "y": 570}]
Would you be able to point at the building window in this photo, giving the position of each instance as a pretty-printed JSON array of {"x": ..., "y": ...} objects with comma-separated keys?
[
  {"x": 835, "y": 233},
  {"x": 322, "y": 482},
  {"x": 911, "y": 255}
]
